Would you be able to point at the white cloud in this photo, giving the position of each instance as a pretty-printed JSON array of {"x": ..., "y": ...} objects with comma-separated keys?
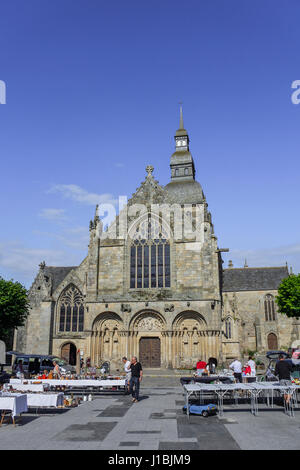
[
  {"x": 21, "y": 262},
  {"x": 75, "y": 237},
  {"x": 53, "y": 214},
  {"x": 76, "y": 193}
]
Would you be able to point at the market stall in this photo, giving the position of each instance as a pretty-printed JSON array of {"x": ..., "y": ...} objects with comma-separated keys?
[
  {"x": 109, "y": 384},
  {"x": 251, "y": 390},
  {"x": 12, "y": 404},
  {"x": 30, "y": 387},
  {"x": 45, "y": 400}
]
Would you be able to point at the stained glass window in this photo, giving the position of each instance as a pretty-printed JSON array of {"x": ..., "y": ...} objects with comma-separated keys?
[
  {"x": 150, "y": 255},
  {"x": 150, "y": 265},
  {"x": 71, "y": 310},
  {"x": 269, "y": 308}
]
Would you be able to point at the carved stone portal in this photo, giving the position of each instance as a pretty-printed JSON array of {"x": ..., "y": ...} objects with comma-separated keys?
[{"x": 149, "y": 323}]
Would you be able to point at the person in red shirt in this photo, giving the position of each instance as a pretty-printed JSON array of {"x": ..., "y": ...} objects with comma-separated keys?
[{"x": 201, "y": 365}]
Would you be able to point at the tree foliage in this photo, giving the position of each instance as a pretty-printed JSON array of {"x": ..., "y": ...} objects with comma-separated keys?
[
  {"x": 288, "y": 298},
  {"x": 14, "y": 307}
]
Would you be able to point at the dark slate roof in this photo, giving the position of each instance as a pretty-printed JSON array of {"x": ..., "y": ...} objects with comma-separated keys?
[
  {"x": 244, "y": 279},
  {"x": 185, "y": 192},
  {"x": 57, "y": 273}
]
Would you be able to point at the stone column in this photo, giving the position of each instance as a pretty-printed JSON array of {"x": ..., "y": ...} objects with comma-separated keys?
[
  {"x": 92, "y": 344},
  {"x": 257, "y": 326},
  {"x": 171, "y": 359}
]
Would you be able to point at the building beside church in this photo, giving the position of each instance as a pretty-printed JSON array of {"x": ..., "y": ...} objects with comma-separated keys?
[{"x": 153, "y": 285}]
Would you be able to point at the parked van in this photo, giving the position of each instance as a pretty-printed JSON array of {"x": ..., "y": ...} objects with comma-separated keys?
[{"x": 36, "y": 363}]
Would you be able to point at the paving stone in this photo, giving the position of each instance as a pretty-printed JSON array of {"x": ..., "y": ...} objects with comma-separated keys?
[
  {"x": 129, "y": 444},
  {"x": 113, "y": 412},
  {"x": 178, "y": 446},
  {"x": 143, "y": 432},
  {"x": 86, "y": 432}
]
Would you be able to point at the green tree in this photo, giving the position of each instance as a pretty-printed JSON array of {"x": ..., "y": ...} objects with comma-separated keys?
[
  {"x": 288, "y": 298},
  {"x": 14, "y": 307}
]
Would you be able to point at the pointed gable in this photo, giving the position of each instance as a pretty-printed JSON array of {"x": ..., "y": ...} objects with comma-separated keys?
[{"x": 149, "y": 192}]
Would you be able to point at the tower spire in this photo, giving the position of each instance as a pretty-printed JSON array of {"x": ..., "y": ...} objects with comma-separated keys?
[
  {"x": 182, "y": 164},
  {"x": 181, "y": 126}
]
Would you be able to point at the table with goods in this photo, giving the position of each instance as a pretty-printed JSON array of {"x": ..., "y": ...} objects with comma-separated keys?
[
  {"x": 12, "y": 405},
  {"x": 77, "y": 384},
  {"x": 237, "y": 391}
]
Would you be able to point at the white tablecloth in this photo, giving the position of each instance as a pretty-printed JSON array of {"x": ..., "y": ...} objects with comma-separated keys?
[
  {"x": 28, "y": 387},
  {"x": 16, "y": 404},
  {"x": 39, "y": 400},
  {"x": 77, "y": 383}
]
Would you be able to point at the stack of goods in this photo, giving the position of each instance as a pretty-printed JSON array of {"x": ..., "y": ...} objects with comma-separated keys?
[{"x": 71, "y": 402}]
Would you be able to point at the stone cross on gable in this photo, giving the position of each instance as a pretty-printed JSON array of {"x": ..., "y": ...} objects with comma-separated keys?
[{"x": 149, "y": 169}]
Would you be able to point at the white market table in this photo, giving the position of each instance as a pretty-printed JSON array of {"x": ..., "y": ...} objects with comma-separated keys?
[
  {"x": 30, "y": 387},
  {"x": 16, "y": 404},
  {"x": 253, "y": 389},
  {"x": 45, "y": 400},
  {"x": 84, "y": 383}
]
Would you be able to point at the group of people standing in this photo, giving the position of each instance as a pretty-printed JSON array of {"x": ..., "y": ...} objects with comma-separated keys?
[
  {"x": 249, "y": 369},
  {"x": 134, "y": 375}
]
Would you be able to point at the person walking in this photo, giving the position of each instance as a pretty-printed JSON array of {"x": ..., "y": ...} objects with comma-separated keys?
[
  {"x": 127, "y": 369},
  {"x": 136, "y": 378},
  {"x": 236, "y": 366},
  {"x": 283, "y": 371}
]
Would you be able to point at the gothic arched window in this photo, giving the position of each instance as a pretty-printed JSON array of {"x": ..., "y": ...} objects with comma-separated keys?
[
  {"x": 150, "y": 255},
  {"x": 71, "y": 310},
  {"x": 228, "y": 328},
  {"x": 269, "y": 308}
]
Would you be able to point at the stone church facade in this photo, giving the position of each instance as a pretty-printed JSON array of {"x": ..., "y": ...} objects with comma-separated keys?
[{"x": 153, "y": 285}]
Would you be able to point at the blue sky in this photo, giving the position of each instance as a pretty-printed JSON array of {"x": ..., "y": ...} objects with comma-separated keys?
[{"x": 92, "y": 98}]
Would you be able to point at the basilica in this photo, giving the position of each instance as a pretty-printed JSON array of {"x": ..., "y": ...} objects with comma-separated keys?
[{"x": 153, "y": 285}]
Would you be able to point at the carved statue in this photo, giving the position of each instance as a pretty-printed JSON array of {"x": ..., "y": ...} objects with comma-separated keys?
[
  {"x": 125, "y": 308},
  {"x": 169, "y": 308}
]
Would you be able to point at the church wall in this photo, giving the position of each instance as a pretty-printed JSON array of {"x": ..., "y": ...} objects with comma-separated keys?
[
  {"x": 111, "y": 265},
  {"x": 38, "y": 328},
  {"x": 253, "y": 329},
  {"x": 196, "y": 273}
]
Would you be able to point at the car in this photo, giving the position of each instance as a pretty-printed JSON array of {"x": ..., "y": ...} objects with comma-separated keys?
[
  {"x": 202, "y": 410},
  {"x": 37, "y": 363}
]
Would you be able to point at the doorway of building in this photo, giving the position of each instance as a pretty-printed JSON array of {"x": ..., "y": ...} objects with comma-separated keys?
[
  {"x": 272, "y": 342},
  {"x": 68, "y": 353},
  {"x": 149, "y": 355}
]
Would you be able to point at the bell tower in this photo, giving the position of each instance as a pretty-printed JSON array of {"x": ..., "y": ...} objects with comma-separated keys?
[{"x": 182, "y": 163}]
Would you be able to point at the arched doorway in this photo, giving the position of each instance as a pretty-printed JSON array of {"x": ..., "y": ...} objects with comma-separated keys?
[
  {"x": 106, "y": 340},
  {"x": 146, "y": 338},
  {"x": 191, "y": 340},
  {"x": 149, "y": 351},
  {"x": 68, "y": 353},
  {"x": 272, "y": 342}
]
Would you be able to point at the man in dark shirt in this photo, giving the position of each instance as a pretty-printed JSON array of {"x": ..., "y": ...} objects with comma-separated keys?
[
  {"x": 136, "y": 377},
  {"x": 283, "y": 371}
]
